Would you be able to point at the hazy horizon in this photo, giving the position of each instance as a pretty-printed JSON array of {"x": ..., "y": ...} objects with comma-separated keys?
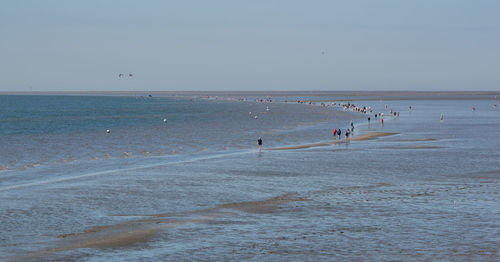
[{"x": 385, "y": 45}]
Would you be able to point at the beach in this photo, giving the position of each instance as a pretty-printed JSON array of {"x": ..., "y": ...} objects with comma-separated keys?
[{"x": 196, "y": 188}]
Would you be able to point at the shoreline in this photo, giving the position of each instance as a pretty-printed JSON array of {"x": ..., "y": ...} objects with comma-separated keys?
[{"x": 338, "y": 95}]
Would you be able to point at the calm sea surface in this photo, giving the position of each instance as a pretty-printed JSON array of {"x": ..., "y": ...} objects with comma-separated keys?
[{"x": 196, "y": 187}]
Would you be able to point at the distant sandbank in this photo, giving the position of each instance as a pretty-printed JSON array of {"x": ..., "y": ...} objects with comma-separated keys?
[{"x": 336, "y": 95}]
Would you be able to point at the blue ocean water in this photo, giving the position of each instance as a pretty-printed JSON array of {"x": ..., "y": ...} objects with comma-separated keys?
[
  {"x": 196, "y": 188},
  {"x": 47, "y": 135}
]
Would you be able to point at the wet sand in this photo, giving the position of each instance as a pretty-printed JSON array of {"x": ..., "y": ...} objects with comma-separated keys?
[
  {"x": 413, "y": 147},
  {"x": 142, "y": 231},
  {"x": 369, "y": 136},
  {"x": 412, "y": 140}
]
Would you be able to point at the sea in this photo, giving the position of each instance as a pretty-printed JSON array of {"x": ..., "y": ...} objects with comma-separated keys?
[{"x": 179, "y": 177}]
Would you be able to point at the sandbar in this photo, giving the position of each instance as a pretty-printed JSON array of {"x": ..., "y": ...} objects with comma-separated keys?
[{"x": 368, "y": 136}]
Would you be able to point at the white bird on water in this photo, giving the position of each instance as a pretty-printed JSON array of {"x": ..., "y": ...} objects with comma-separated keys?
[{"x": 165, "y": 120}]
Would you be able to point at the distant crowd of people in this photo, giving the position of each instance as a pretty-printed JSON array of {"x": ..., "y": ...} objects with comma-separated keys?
[{"x": 337, "y": 132}]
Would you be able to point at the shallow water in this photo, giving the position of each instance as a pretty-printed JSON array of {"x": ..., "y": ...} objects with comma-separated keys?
[{"x": 428, "y": 192}]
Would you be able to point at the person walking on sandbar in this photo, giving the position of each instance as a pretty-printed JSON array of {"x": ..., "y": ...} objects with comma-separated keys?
[{"x": 259, "y": 142}]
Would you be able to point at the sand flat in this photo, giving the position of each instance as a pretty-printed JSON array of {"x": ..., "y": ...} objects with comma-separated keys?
[
  {"x": 143, "y": 230},
  {"x": 369, "y": 136}
]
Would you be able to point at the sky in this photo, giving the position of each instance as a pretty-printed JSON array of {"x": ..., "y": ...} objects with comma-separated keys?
[{"x": 261, "y": 45}]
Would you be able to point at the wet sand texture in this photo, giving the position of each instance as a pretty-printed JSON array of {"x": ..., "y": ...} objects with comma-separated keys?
[{"x": 141, "y": 231}]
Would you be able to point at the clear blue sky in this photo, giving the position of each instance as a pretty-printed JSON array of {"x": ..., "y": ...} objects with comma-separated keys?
[{"x": 249, "y": 45}]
